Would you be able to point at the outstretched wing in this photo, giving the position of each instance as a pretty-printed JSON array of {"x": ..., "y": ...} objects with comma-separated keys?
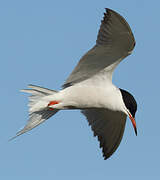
[
  {"x": 108, "y": 126},
  {"x": 115, "y": 41}
]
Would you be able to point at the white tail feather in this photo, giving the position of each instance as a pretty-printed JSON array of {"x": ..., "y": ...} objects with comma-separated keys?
[
  {"x": 36, "y": 100},
  {"x": 41, "y": 89},
  {"x": 38, "y": 110}
]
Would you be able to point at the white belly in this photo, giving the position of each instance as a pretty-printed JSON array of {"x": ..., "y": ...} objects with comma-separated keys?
[{"x": 90, "y": 96}]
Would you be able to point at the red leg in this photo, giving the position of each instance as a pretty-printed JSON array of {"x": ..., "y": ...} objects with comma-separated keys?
[{"x": 52, "y": 103}]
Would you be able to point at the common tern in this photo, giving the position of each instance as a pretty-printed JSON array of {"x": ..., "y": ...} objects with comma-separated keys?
[{"x": 89, "y": 87}]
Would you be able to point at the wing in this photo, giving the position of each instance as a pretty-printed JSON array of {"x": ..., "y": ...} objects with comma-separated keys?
[
  {"x": 108, "y": 126},
  {"x": 115, "y": 41}
]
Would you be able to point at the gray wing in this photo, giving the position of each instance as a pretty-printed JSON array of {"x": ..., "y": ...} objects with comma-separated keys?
[
  {"x": 115, "y": 41},
  {"x": 108, "y": 126}
]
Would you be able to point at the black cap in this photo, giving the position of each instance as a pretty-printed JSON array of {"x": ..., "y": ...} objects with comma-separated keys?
[{"x": 129, "y": 102}]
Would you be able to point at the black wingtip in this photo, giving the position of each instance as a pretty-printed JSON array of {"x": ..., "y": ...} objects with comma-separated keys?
[{"x": 110, "y": 10}]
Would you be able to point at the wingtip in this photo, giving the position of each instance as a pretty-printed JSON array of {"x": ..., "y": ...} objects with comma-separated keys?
[
  {"x": 106, "y": 156},
  {"x": 109, "y": 10}
]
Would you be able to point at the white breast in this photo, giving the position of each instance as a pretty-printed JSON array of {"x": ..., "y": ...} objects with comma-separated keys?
[{"x": 93, "y": 93}]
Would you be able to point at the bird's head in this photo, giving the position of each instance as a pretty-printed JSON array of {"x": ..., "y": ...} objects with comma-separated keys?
[{"x": 131, "y": 107}]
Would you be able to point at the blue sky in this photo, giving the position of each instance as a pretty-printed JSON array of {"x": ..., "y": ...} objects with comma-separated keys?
[{"x": 40, "y": 43}]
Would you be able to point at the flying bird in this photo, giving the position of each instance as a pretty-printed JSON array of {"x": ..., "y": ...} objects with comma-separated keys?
[{"x": 90, "y": 89}]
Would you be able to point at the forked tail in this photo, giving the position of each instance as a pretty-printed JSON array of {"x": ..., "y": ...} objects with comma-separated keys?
[{"x": 38, "y": 110}]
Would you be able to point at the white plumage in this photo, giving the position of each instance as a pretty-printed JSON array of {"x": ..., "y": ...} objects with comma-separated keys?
[{"x": 90, "y": 88}]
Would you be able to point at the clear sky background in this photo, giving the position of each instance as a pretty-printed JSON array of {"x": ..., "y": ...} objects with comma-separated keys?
[{"x": 40, "y": 43}]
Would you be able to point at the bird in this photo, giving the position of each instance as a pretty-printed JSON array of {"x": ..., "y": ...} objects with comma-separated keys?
[{"x": 89, "y": 87}]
